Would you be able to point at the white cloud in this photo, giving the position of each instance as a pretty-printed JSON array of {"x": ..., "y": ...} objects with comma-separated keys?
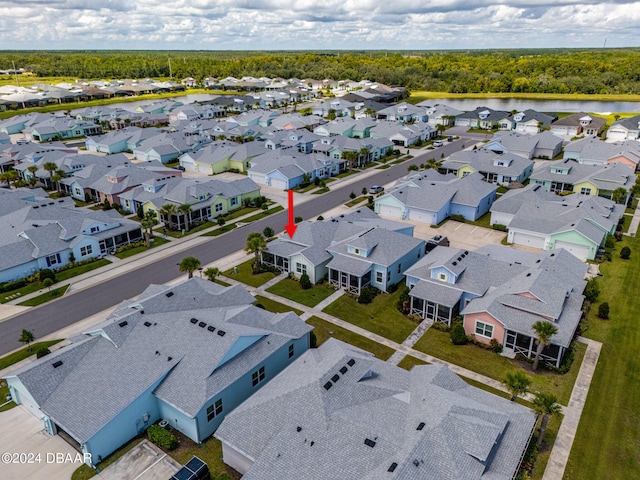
[{"x": 308, "y": 24}]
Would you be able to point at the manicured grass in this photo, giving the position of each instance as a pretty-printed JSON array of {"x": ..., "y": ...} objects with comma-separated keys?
[
  {"x": 380, "y": 316},
  {"x": 291, "y": 289},
  {"x": 632, "y": 208},
  {"x": 219, "y": 231},
  {"x": 209, "y": 451},
  {"x": 20, "y": 292},
  {"x": 79, "y": 270},
  {"x": 325, "y": 330},
  {"x": 607, "y": 443},
  {"x": 221, "y": 282},
  {"x": 409, "y": 362},
  {"x": 25, "y": 352},
  {"x": 483, "y": 221},
  {"x": 626, "y": 223},
  {"x": 355, "y": 201},
  {"x": 157, "y": 241},
  {"x": 240, "y": 213},
  {"x": 263, "y": 214},
  {"x": 346, "y": 173},
  {"x": 245, "y": 274},
  {"x": 486, "y": 362},
  {"x": 320, "y": 191},
  {"x": 84, "y": 472},
  {"x": 275, "y": 307},
  {"x": 4, "y": 391},
  {"x": 45, "y": 297}
]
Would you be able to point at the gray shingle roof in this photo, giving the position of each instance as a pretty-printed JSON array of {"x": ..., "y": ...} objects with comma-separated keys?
[{"x": 311, "y": 432}]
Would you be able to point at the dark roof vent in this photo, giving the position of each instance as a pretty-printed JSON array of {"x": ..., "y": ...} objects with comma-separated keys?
[
  {"x": 459, "y": 259},
  {"x": 311, "y": 444},
  {"x": 56, "y": 364},
  {"x": 211, "y": 328},
  {"x": 369, "y": 443},
  {"x": 123, "y": 324},
  {"x": 221, "y": 333},
  {"x": 169, "y": 359},
  {"x": 328, "y": 385},
  {"x": 194, "y": 320},
  {"x": 147, "y": 324},
  {"x": 335, "y": 378},
  {"x": 344, "y": 369},
  {"x": 466, "y": 252},
  {"x": 202, "y": 324},
  {"x": 298, "y": 429},
  {"x": 420, "y": 426},
  {"x": 416, "y": 462},
  {"x": 169, "y": 294},
  {"x": 454, "y": 263},
  {"x": 392, "y": 467},
  {"x": 351, "y": 362}
]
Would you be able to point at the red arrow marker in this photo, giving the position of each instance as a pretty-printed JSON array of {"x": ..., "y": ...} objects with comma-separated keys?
[{"x": 291, "y": 226}]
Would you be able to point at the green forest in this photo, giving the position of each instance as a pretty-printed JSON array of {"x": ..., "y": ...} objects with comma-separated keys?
[{"x": 568, "y": 71}]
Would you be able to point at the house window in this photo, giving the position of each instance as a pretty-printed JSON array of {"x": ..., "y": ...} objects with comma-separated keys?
[
  {"x": 585, "y": 191},
  {"x": 484, "y": 329},
  {"x": 257, "y": 376},
  {"x": 291, "y": 350},
  {"x": 388, "y": 275},
  {"x": 95, "y": 229},
  {"x": 399, "y": 267},
  {"x": 442, "y": 276},
  {"x": 379, "y": 277},
  {"x": 87, "y": 250},
  {"x": 53, "y": 260},
  {"x": 218, "y": 207},
  {"x": 214, "y": 410},
  {"x": 301, "y": 268},
  {"x": 234, "y": 201}
]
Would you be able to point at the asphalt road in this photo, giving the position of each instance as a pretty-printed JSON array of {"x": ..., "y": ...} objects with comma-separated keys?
[{"x": 61, "y": 313}]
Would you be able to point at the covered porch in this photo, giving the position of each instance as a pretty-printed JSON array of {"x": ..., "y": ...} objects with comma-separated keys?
[
  {"x": 526, "y": 345},
  {"x": 435, "y": 302},
  {"x": 115, "y": 240},
  {"x": 349, "y": 273},
  {"x": 277, "y": 261}
]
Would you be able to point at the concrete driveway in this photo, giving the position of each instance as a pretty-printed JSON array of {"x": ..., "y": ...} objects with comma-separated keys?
[
  {"x": 44, "y": 456},
  {"x": 460, "y": 235},
  {"x": 145, "y": 461}
]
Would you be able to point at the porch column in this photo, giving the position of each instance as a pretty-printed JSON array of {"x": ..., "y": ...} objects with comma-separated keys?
[
  {"x": 359, "y": 284},
  {"x": 530, "y": 346}
]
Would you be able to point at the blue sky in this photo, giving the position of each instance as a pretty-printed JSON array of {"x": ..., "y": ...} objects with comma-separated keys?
[{"x": 312, "y": 24}]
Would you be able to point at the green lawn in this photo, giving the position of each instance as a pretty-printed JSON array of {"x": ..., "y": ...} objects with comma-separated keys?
[
  {"x": 245, "y": 274},
  {"x": 157, "y": 241},
  {"x": 292, "y": 290},
  {"x": 607, "y": 444},
  {"x": 276, "y": 307},
  {"x": 486, "y": 362},
  {"x": 325, "y": 330},
  {"x": 25, "y": 352},
  {"x": 4, "y": 391},
  {"x": 45, "y": 297},
  {"x": 209, "y": 451},
  {"x": 380, "y": 316},
  {"x": 409, "y": 362},
  {"x": 355, "y": 201}
]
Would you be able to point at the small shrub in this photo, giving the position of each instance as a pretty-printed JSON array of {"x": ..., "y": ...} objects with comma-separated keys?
[
  {"x": 500, "y": 227},
  {"x": 457, "y": 218},
  {"x": 496, "y": 346},
  {"x": 610, "y": 242},
  {"x": 352, "y": 195},
  {"x": 367, "y": 294},
  {"x": 161, "y": 437},
  {"x": 625, "y": 253},
  {"x": 298, "y": 219},
  {"x": 42, "y": 352},
  {"x": 305, "y": 283},
  {"x": 46, "y": 273},
  {"x": 441, "y": 327},
  {"x": 320, "y": 218},
  {"x": 221, "y": 221},
  {"x": 268, "y": 232},
  {"x": 592, "y": 290},
  {"x": 393, "y": 287},
  {"x": 458, "y": 336},
  {"x": 403, "y": 304},
  {"x": 316, "y": 181},
  {"x": 603, "y": 311}
]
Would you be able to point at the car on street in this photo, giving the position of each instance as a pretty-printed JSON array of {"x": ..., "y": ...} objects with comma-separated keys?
[
  {"x": 438, "y": 143},
  {"x": 376, "y": 189}
]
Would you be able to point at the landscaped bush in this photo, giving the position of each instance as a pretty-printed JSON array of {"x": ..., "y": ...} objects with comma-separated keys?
[
  {"x": 9, "y": 286},
  {"x": 592, "y": 290},
  {"x": 458, "y": 336},
  {"x": 130, "y": 246},
  {"x": 499, "y": 226},
  {"x": 367, "y": 294},
  {"x": 610, "y": 242},
  {"x": 496, "y": 346},
  {"x": 221, "y": 221},
  {"x": 46, "y": 273},
  {"x": 161, "y": 437},
  {"x": 392, "y": 288},
  {"x": 625, "y": 253},
  {"x": 305, "y": 283},
  {"x": 603, "y": 311},
  {"x": 457, "y": 217},
  {"x": 42, "y": 352},
  {"x": 404, "y": 304}
]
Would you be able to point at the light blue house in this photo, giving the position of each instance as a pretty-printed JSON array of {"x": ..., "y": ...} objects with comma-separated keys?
[
  {"x": 500, "y": 168},
  {"x": 353, "y": 251},
  {"x": 187, "y": 354},
  {"x": 431, "y": 197}
]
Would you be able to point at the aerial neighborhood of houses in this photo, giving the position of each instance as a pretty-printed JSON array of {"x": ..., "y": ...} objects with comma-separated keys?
[{"x": 547, "y": 193}]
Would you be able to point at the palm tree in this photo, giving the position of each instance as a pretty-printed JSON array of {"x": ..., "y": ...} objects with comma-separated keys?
[
  {"x": 364, "y": 153},
  {"x": 439, "y": 129},
  {"x": 350, "y": 157},
  {"x": 26, "y": 337},
  {"x": 433, "y": 163},
  {"x": 211, "y": 273},
  {"x": 189, "y": 265},
  {"x": 167, "y": 210},
  {"x": 11, "y": 176},
  {"x": 57, "y": 176},
  {"x": 256, "y": 243},
  {"x": 50, "y": 167},
  {"x": 32, "y": 169},
  {"x": 185, "y": 210},
  {"x": 545, "y": 404},
  {"x": 544, "y": 330},
  {"x": 619, "y": 194},
  {"x": 148, "y": 222},
  {"x": 517, "y": 383}
]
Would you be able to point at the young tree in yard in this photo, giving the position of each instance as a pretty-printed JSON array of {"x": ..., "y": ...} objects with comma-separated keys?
[
  {"x": 625, "y": 253},
  {"x": 363, "y": 191},
  {"x": 305, "y": 282},
  {"x": 148, "y": 222},
  {"x": 211, "y": 273},
  {"x": 517, "y": 383},
  {"x": 50, "y": 167},
  {"x": 27, "y": 337},
  {"x": 592, "y": 290},
  {"x": 46, "y": 283},
  {"x": 544, "y": 330},
  {"x": 166, "y": 211},
  {"x": 545, "y": 405},
  {"x": 268, "y": 232},
  {"x": 185, "y": 210},
  {"x": 603, "y": 311},
  {"x": 256, "y": 243},
  {"x": 189, "y": 265}
]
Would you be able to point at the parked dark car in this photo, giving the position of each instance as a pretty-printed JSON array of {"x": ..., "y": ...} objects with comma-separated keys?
[{"x": 435, "y": 241}]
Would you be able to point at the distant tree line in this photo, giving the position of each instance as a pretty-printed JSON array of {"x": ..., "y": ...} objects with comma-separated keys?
[{"x": 595, "y": 71}]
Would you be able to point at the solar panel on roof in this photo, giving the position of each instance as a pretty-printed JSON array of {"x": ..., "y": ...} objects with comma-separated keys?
[
  {"x": 351, "y": 362},
  {"x": 221, "y": 333},
  {"x": 147, "y": 324},
  {"x": 211, "y": 328},
  {"x": 194, "y": 320},
  {"x": 344, "y": 369},
  {"x": 369, "y": 443},
  {"x": 123, "y": 324},
  {"x": 328, "y": 385},
  {"x": 420, "y": 426},
  {"x": 202, "y": 324},
  {"x": 335, "y": 378},
  {"x": 392, "y": 467},
  {"x": 56, "y": 364},
  {"x": 169, "y": 294}
]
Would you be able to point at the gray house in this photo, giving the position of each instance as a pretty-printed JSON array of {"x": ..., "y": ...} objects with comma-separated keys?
[{"x": 339, "y": 413}]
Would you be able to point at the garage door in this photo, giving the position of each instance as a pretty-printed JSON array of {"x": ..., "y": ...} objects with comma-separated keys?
[
  {"x": 580, "y": 251},
  {"x": 422, "y": 216},
  {"x": 188, "y": 166},
  {"x": 528, "y": 240},
  {"x": 277, "y": 183},
  {"x": 390, "y": 211},
  {"x": 258, "y": 178}
]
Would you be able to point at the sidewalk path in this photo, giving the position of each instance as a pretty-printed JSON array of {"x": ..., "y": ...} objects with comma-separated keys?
[{"x": 635, "y": 222}]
